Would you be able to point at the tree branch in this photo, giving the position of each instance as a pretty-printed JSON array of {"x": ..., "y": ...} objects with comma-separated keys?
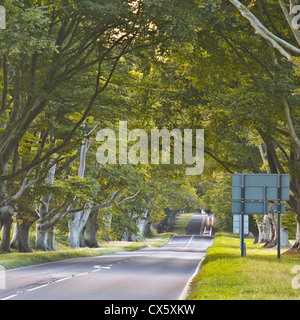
[
  {"x": 260, "y": 29},
  {"x": 109, "y": 203},
  {"x": 24, "y": 186},
  {"x": 131, "y": 197}
]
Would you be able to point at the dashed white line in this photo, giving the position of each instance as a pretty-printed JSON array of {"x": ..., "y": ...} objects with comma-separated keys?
[
  {"x": 96, "y": 270},
  {"x": 35, "y": 288},
  {"x": 9, "y": 297},
  {"x": 63, "y": 279}
]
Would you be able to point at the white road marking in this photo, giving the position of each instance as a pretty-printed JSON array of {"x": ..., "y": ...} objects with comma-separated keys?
[
  {"x": 186, "y": 288},
  {"x": 99, "y": 267},
  {"x": 63, "y": 279},
  {"x": 189, "y": 241},
  {"x": 9, "y": 297},
  {"x": 35, "y": 288}
]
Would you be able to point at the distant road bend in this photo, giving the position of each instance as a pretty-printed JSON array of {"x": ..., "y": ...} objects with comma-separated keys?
[
  {"x": 146, "y": 274},
  {"x": 201, "y": 224}
]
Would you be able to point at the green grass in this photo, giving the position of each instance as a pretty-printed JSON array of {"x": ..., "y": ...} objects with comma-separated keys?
[
  {"x": 16, "y": 259},
  {"x": 225, "y": 275}
]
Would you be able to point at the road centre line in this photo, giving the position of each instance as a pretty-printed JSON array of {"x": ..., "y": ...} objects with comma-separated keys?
[
  {"x": 189, "y": 241},
  {"x": 9, "y": 297},
  {"x": 35, "y": 288},
  {"x": 63, "y": 279},
  {"x": 98, "y": 268}
]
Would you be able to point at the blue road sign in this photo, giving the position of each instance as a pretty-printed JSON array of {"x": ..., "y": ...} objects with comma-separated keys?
[
  {"x": 251, "y": 207},
  {"x": 237, "y": 224},
  {"x": 261, "y": 186},
  {"x": 251, "y": 194}
]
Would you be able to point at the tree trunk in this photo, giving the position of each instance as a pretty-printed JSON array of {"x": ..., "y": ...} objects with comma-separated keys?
[
  {"x": 272, "y": 240},
  {"x": 142, "y": 224},
  {"x": 297, "y": 242},
  {"x": 20, "y": 240},
  {"x": 5, "y": 241},
  {"x": 43, "y": 228},
  {"x": 147, "y": 230},
  {"x": 76, "y": 227},
  {"x": 41, "y": 231},
  {"x": 273, "y": 237},
  {"x": 74, "y": 233},
  {"x": 78, "y": 223},
  {"x": 81, "y": 238},
  {"x": 284, "y": 239},
  {"x": 265, "y": 229},
  {"x": 91, "y": 229},
  {"x": 41, "y": 240},
  {"x": 6, "y": 213},
  {"x": 260, "y": 231},
  {"x": 51, "y": 238},
  {"x": 296, "y": 246},
  {"x": 253, "y": 227}
]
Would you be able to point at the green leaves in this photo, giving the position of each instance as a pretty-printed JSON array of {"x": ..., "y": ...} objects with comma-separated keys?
[
  {"x": 26, "y": 32},
  {"x": 76, "y": 190}
]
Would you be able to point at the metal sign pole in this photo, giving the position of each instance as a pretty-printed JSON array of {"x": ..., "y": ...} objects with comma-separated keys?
[
  {"x": 278, "y": 238},
  {"x": 278, "y": 211},
  {"x": 243, "y": 247}
]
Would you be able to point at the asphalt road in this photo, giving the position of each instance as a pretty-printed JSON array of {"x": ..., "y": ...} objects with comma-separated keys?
[
  {"x": 146, "y": 274},
  {"x": 201, "y": 224}
]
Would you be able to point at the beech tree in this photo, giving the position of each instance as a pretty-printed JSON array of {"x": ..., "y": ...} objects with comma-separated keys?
[
  {"x": 56, "y": 61},
  {"x": 288, "y": 48}
]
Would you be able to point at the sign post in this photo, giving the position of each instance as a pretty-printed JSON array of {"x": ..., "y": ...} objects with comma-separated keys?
[
  {"x": 278, "y": 220},
  {"x": 243, "y": 245},
  {"x": 251, "y": 194}
]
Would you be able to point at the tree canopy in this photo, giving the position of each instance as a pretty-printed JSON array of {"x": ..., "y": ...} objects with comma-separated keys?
[{"x": 70, "y": 68}]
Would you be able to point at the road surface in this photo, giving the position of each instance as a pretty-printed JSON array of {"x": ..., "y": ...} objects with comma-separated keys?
[
  {"x": 201, "y": 224},
  {"x": 147, "y": 274}
]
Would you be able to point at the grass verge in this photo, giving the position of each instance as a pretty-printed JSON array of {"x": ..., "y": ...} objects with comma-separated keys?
[
  {"x": 17, "y": 260},
  {"x": 225, "y": 275}
]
